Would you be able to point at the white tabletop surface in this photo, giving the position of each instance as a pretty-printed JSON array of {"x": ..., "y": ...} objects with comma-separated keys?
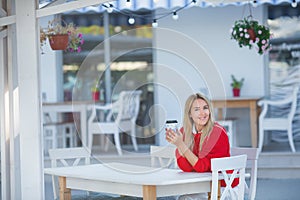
[{"x": 131, "y": 174}]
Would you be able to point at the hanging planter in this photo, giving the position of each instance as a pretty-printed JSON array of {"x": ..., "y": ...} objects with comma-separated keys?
[
  {"x": 59, "y": 42},
  {"x": 252, "y": 34},
  {"x": 249, "y": 33},
  {"x": 62, "y": 36}
]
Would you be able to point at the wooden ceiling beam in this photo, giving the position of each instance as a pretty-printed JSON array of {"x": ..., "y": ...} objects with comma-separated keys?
[{"x": 4, "y": 21}]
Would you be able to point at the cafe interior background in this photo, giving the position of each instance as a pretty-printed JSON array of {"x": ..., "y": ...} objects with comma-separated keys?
[
  {"x": 203, "y": 27},
  {"x": 282, "y": 19}
]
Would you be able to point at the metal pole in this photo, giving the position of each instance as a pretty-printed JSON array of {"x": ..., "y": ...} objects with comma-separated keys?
[{"x": 107, "y": 58}]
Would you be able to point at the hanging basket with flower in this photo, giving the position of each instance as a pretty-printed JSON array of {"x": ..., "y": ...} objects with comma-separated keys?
[
  {"x": 62, "y": 37},
  {"x": 249, "y": 33}
]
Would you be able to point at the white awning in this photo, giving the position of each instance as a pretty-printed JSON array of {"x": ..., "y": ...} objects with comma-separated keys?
[{"x": 166, "y": 4}]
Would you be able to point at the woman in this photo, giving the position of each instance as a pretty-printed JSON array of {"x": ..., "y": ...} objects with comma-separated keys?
[{"x": 199, "y": 140}]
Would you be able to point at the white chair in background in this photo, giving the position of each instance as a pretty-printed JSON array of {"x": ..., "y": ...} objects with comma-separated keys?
[
  {"x": 58, "y": 134},
  {"x": 120, "y": 117},
  {"x": 238, "y": 165},
  {"x": 281, "y": 123},
  {"x": 230, "y": 126},
  {"x": 65, "y": 157},
  {"x": 252, "y": 159},
  {"x": 163, "y": 156}
]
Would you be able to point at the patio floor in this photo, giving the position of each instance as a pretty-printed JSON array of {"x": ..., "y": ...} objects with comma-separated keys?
[{"x": 267, "y": 189}]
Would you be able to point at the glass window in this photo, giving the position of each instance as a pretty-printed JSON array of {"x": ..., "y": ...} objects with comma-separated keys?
[
  {"x": 285, "y": 53},
  {"x": 130, "y": 67},
  {"x": 284, "y": 61}
]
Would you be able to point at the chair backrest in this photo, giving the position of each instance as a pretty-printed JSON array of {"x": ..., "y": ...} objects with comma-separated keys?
[
  {"x": 128, "y": 104},
  {"x": 294, "y": 102},
  {"x": 47, "y": 118},
  {"x": 127, "y": 108},
  {"x": 69, "y": 156},
  {"x": 252, "y": 159},
  {"x": 235, "y": 163},
  {"x": 163, "y": 156},
  {"x": 291, "y": 99}
]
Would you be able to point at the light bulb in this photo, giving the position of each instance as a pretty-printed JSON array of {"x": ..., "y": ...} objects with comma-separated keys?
[
  {"x": 194, "y": 2},
  {"x": 154, "y": 23},
  {"x": 110, "y": 8},
  {"x": 128, "y": 3},
  {"x": 294, "y": 4},
  {"x": 118, "y": 29},
  {"x": 131, "y": 20},
  {"x": 175, "y": 16},
  {"x": 254, "y": 3}
]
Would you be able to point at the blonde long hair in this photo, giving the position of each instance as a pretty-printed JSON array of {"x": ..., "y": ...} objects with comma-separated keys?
[{"x": 188, "y": 121}]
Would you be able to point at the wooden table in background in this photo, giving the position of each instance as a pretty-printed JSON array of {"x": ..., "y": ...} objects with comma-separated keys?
[
  {"x": 81, "y": 107},
  {"x": 240, "y": 102}
]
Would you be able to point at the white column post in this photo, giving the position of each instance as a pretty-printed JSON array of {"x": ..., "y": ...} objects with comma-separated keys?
[
  {"x": 31, "y": 157},
  {"x": 4, "y": 120}
]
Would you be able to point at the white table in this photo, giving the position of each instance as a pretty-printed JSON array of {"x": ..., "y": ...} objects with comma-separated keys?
[
  {"x": 130, "y": 180},
  {"x": 72, "y": 107}
]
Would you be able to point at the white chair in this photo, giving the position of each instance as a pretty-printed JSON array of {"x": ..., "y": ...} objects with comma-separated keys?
[
  {"x": 238, "y": 165},
  {"x": 58, "y": 134},
  {"x": 163, "y": 156},
  {"x": 252, "y": 158},
  {"x": 120, "y": 117},
  {"x": 230, "y": 126},
  {"x": 65, "y": 157},
  {"x": 282, "y": 123}
]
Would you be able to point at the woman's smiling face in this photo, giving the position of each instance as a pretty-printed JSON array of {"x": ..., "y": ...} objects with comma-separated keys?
[{"x": 200, "y": 113}]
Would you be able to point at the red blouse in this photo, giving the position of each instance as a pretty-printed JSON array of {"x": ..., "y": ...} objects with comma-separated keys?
[{"x": 216, "y": 145}]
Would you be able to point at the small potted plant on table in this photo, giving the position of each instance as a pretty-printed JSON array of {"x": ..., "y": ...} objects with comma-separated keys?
[
  {"x": 95, "y": 92},
  {"x": 236, "y": 85}
]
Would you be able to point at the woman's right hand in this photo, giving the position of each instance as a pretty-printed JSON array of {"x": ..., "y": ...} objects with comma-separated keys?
[{"x": 173, "y": 137}]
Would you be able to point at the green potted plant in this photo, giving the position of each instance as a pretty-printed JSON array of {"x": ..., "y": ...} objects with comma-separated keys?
[
  {"x": 236, "y": 85},
  {"x": 249, "y": 33},
  {"x": 95, "y": 92},
  {"x": 61, "y": 36}
]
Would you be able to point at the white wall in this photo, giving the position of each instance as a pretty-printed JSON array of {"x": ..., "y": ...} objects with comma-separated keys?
[
  {"x": 51, "y": 70},
  {"x": 195, "y": 52}
]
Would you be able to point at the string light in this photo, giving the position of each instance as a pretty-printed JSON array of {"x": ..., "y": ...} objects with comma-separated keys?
[
  {"x": 110, "y": 8},
  {"x": 128, "y": 3},
  {"x": 254, "y": 3},
  {"x": 175, "y": 16},
  {"x": 294, "y": 3},
  {"x": 131, "y": 20},
  {"x": 154, "y": 23}
]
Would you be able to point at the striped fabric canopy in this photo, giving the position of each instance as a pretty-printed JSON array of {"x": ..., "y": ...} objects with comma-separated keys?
[{"x": 167, "y": 4}]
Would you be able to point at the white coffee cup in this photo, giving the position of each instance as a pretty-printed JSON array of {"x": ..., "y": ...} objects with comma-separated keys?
[{"x": 172, "y": 124}]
